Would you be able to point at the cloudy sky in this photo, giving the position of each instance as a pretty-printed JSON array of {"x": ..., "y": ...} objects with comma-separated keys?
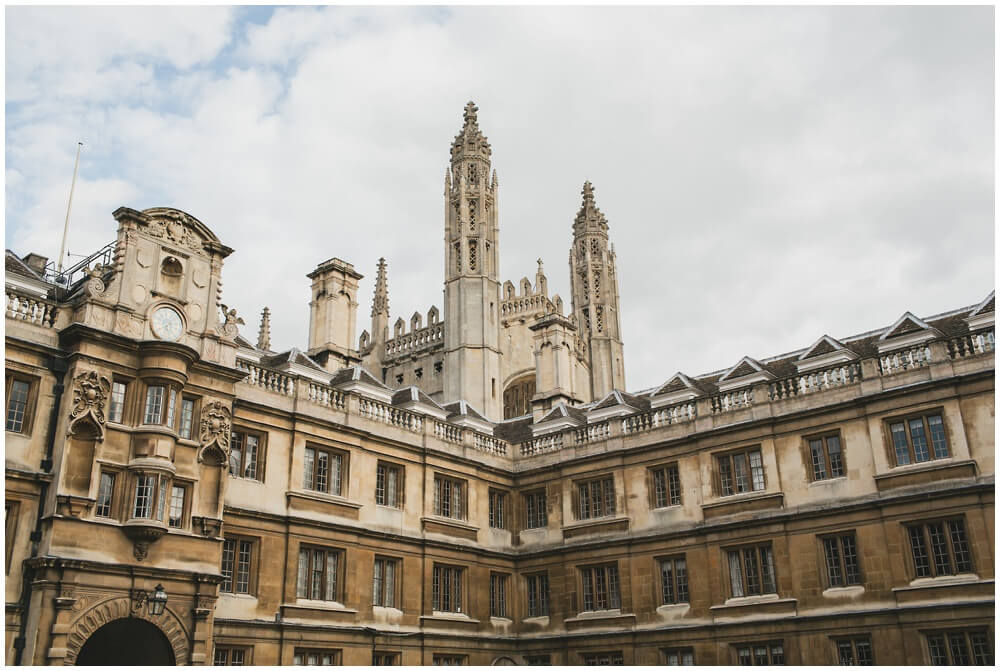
[{"x": 769, "y": 175}]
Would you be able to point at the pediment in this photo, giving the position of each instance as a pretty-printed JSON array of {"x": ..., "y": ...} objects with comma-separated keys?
[
  {"x": 746, "y": 371},
  {"x": 357, "y": 379},
  {"x": 675, "y": 390},
  {"x": 983, "y": 314},
  {"x": 614, "y": 404},
  {"x": 906, "y": 331},
  {"x": 560, "y": 417},
  {"x": 824, "y": 352},
  {"x": 461, "y": 413},
  {"x": 175, "y": 227},
  {"x": 413, "y": 399}
]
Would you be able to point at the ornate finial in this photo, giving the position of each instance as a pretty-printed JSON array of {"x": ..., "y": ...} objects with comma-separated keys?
[
  {"x": 380, "y": 303},
  {"x": 588, "y": 192},
  {"x": 264, "y": 335},
  {"x": 470, "y": 113},
  {"x": 494, "y": 182},
  {"x": 540, "y": 266},
  {"x": 589, "y": 216}
]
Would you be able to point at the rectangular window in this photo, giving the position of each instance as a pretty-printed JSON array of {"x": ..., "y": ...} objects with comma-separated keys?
[
  {"x": 960, "y": 648},
  {"x": 246, "y": 456},
  {"x": 841, "y": 554},
  {"x": 171, "y": 407},
  {"x": 389, "y": 485},
  {"x": 237, "y": 565},
  {"x": 939, "y": 548},
  {"x": 386, "y": 659},
  {"x": 319, "y": 574},
  {"x": 105, "y": 495},
  {"x": 535, "y": 513},
  {"x": 679, "y": 656},
  {"x": 856, "y": 651},
  {"x": 596, "y": 498},
  {"x": 324, "y": 470},
  {"x": 740, "y": 472},
  {"x": 666, "y": 486},
  {"x": 153, "y": 413},
  {"x": 386, "y": 573},
  {"x": 145, "y": 493},
  {"x": 826, "y": 457},
  {"x": 614, "y": 658},
  {"x": 760, "y": 654},
  {"x": 446, "y": 590},
  {"x": 538, "y": 595},
  {"x": 304, "y": 657},
  {"x": 177, "y": 495},
  {"x": 229, "y": 656},
  {"x": 498, "y": 509},
  {"x": 673, "y": 580},
  {"x": 187, "y": 418},
  {"x": 449, "y": 497},
  {"x": 538, "y": 660},
  {"x": 751, "y": 571},
  {"x": 18, "y": 405},
  {"x": 498, "y": 595},
  {"x": 450, "y": 660},
  {"x": 116, "y": 410},
  {"x": 918, "y": 439},
  {"x": 600, "y": 588}
]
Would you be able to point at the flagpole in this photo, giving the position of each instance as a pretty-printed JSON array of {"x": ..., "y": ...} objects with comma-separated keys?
[{"x": 62, "y": 249}]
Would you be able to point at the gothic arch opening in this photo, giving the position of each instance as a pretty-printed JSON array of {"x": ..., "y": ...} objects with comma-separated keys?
[
  {"x": 517, "y": 396},
  {"x": 127, "y": 641}
]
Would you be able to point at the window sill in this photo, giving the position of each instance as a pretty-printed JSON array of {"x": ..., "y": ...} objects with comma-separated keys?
[
  {"x": 238, "y": 595},
  {"x": 940, "y": 581},
  {"x": 504, "y": 621},
  {"x": 828, "y": 481},
  {"x": 763, "y": 606},
  {"x": 318, "y": 604},
  {"x": 956, "y": 588},
  {"x": 595, "y": 526},
  {"x": 748, "y": 600},
  {"x": 541, "y": 620},
  {"x": 925, "y": 472},
  {"x": 387, "y": 610},
  {"x": 747, "y": 502},
  {"x": 673, "y": 609},
  {"x": 319, "y": 502},
  {"x": 450, "y": 527},
  {"x": 443, "y": 618},
  {"x": 848, "y": 592},
  {"x": 590, "y": 618}
]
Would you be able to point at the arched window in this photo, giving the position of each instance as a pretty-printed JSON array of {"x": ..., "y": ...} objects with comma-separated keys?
[{"x": 517, "y": 396}]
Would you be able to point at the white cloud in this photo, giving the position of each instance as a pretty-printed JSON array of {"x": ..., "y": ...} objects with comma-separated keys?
[{"x": 768, "y": 174}]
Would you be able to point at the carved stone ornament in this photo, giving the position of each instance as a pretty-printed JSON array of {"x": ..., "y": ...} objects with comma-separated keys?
[
  {"x": 90, "y": 393},
  {"x": 216, "y": 428},
  {"x": 176, "y": 229},
  {"x": 229, "y": 328},
  {"x": 96, "y": 286}
]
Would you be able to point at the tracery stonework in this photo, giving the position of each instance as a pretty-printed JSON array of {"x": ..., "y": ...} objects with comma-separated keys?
[{"x": 90, "y": 392}]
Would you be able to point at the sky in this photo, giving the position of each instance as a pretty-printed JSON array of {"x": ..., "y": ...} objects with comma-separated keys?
[{"x": 769, "y": 175}]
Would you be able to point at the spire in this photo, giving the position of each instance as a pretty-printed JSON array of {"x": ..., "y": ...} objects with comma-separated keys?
[
  {"x": 590, "y": 216},
  {"x": 264, "y": 335},
  {"x": 541, "y": 282},
  {"x": 470, "y": 141},
  {"x": 380, "y": 303}
]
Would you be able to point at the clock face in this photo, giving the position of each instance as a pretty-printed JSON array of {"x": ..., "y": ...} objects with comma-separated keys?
[{"x": 167, "y": 324}]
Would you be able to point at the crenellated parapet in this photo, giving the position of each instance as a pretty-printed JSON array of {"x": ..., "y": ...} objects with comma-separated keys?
[{"x": 418, "y": 339}]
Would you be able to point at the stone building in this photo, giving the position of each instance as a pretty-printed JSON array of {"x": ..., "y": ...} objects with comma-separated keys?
[{"x": 478, "y": 488}]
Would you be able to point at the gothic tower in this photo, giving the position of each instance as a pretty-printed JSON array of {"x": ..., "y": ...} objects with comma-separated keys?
[
  {"x": 471, "y": 287},
  {"x": 594, "y": 280}
]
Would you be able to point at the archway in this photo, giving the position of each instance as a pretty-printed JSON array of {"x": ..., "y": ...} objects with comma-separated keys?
[{"x": 127, "y": 641}]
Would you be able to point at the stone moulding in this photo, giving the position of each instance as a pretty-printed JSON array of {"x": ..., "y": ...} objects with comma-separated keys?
[{"x": 117, "y": 608}]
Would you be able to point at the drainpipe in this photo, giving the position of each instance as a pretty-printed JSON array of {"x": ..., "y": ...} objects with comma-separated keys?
[{"x": 57, "y": 366}]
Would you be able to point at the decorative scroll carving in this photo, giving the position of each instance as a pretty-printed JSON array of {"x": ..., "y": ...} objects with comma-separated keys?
[
  {"x": 176, "y": 228},
  {"x": 90, "y": 393},
  {"x": 216, "y": 423}
]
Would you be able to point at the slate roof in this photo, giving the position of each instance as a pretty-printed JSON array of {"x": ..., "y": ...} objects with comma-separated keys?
[
  {"x": 463, "y": 408},
  {"x": 413, "y": 393},
  {"x": 563, "y": 410},
  {"x": 356, "y": 374},
  {"x": 14, "y": 264},
  {"x": 293, "y": 355}
]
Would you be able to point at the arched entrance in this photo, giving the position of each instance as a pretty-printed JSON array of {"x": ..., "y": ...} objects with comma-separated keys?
[{"x": 127, "y": 641}]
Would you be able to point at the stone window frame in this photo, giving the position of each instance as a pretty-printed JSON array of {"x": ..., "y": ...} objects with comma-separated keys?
[
  {"x": 541, "y": 513},
  {"x": 343, "y": 480},
  {"x": 610, "y": 504},
  {"x": 339, "y": 571},
  {"x": 171, "y": 392},
  {"x": 905, "y": 420},
  {"x": 128, "y": 383},
  {"x": 945, "y": 654},
  {"x": 28, "y": 418},
  {"x": 300, "y": 656},
  {"x": 118, "y": 485},
  {"x": 614, "y": 657},
  {"x": 928, "y": 546},
  {"x": 387, "y": 658},
  {"x": 261, "y": 459},
  {"x": 378, "y": 594},
  {"x": 499, "y": 502},
  {"x": 158, "y": 501},
  {"x": 195, "y": 417},
  {"x": 729, "y": 456},
  {"x": 228, "y": 650},
  {"x": 440, "y": 479},
  {"x": 188, "y": 487},
  {"x": 670, "y": 497},
  {"x": 744, "y": 580},
  {"x": 448, "y": 659},
  {"x": 500, "y": 604},
  {"x": 677, "y": 582},
  {"x": 753, "y": 646},
  {"x": 836, "y": 541},
  {"x": 678, "y": 654},
  {"x": 462, "y": 596},
  {"x": 541, "y": 605},
  {"x": 850, "y": 646},
  {"x": 613, "y": 596},
  {"x": 400, "y": 484},
  {"x": 252, "y": 570},
  {"x": 808, "y": 460}
]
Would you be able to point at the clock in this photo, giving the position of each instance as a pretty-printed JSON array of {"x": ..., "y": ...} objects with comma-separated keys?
[{"x": 167, "y": 324}]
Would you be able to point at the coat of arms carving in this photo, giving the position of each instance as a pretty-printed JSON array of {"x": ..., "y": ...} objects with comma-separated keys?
[
  {"x": 216, "y": 425},
  {"x": 90, "y": 393}
]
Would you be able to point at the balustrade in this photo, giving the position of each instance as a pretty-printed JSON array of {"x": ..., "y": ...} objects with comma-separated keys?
[
  {"x": 485, "y": 443},
  {"x": 328, "y": 396},
  {"x": 972, "y": 344},
  {"x": 732, "y": 400},
  {"x": 897, "y": 362},
  {"x": 646, "y": 421},
  {"x": 36, "y": 311},
  {"x": 593, "y": 433},
  {"x": 549, "y": 443},
  {"x": 387, "y": 414},
  {"x": 444, "y": 431},
  {"x": 813, "y": 381},
  {"x": 266, "y": 379}
]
